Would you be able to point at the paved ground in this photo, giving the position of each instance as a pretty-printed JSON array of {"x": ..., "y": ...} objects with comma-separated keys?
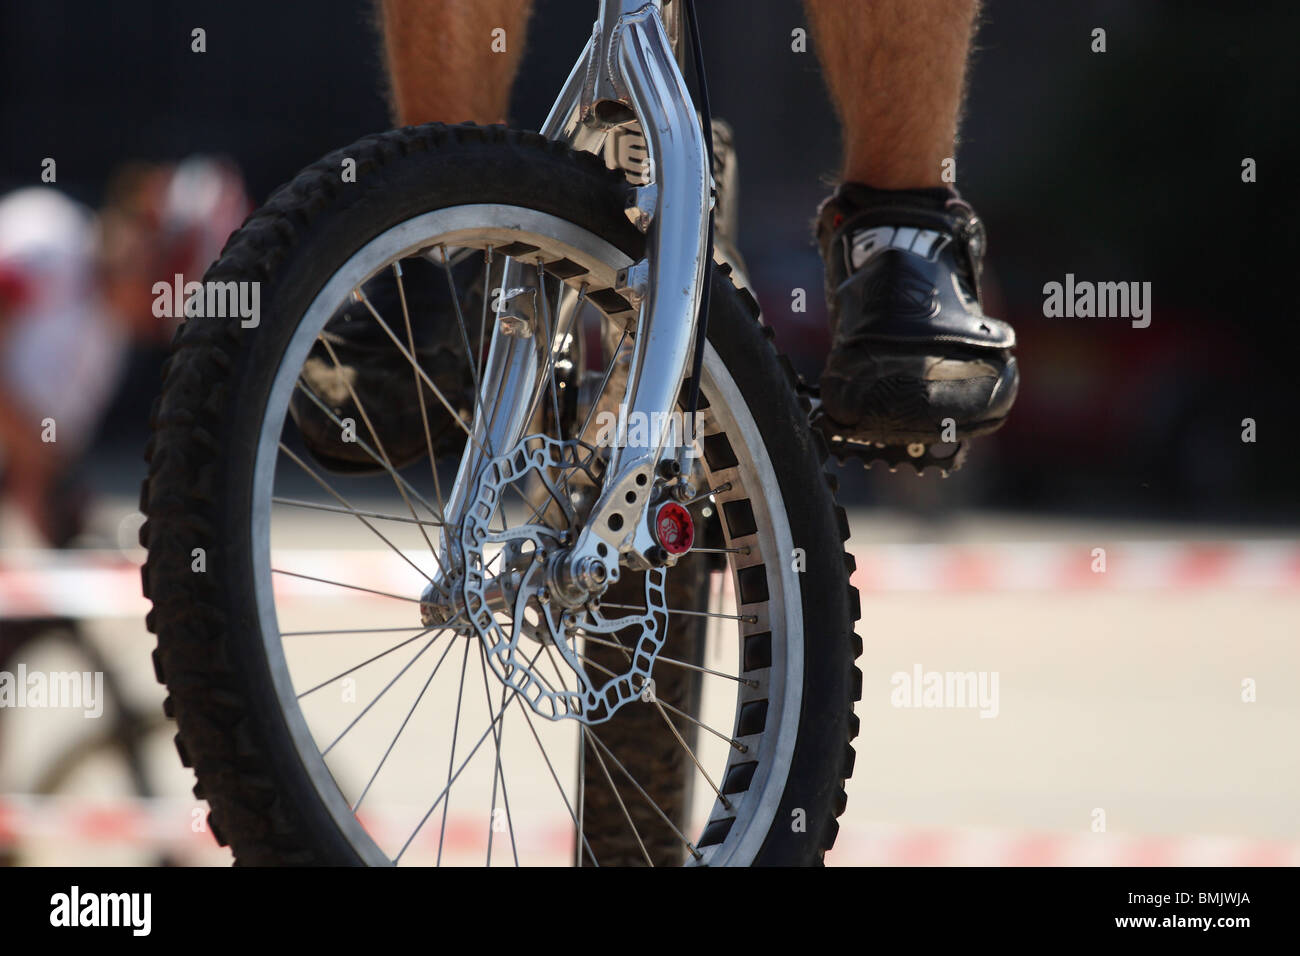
[{"x": 1121, "y": 704}]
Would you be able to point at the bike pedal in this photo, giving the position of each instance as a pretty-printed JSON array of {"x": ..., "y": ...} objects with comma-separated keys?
[{"x": 946, "y": 456}]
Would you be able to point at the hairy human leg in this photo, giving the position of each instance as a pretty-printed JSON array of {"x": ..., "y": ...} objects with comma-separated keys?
[
  {"x": 452, "y": 61},
  {"x": 896, "y": 72}
]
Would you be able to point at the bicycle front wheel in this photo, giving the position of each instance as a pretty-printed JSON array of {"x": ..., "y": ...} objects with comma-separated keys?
[{"x": 330, "y": 715}]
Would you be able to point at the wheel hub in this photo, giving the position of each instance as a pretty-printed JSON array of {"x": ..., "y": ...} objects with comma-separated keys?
[{"x": 575, "y": 582}]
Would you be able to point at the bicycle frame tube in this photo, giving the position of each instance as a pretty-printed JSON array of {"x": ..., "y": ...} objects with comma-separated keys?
[{"x": 628, "y": 72}]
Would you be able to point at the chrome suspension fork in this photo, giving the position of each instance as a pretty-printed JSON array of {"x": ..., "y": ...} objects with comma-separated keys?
[{"x": 627, "y": 73}]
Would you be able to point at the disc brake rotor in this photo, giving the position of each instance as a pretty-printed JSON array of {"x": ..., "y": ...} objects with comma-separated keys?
[{"x": 553, "y": 623}]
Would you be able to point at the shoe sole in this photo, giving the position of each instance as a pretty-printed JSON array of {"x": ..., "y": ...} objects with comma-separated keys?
[{"x": 896, "y": 403}]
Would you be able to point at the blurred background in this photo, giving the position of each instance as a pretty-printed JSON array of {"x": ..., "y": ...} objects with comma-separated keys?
[{"x": 1121, "y": 692}]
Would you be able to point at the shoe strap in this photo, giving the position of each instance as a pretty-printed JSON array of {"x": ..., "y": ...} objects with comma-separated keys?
[{"x": 854, "y": 206}]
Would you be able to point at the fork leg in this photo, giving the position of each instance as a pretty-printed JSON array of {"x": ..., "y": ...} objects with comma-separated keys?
[{"x": 633, "y": 67}]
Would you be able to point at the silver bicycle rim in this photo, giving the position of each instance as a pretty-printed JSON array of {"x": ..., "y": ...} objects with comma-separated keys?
[{"x": 754, "y": 810}]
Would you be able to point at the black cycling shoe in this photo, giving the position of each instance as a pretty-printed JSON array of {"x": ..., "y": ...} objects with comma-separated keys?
[
  {"x": 383, "y": 379},
  {"x": 913, "y": 357}
]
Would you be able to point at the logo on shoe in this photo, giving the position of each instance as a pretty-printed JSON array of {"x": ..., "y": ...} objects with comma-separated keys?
[
  {"x": 903, "y": 292},
  {"x": 866, "y": 243}
]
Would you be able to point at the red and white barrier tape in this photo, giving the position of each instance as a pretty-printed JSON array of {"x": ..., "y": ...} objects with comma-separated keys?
[
  {"x": 177, "y": 824},
  {"x": 155, "y": 822},
  {"x": 96, "y": 584},
  {"x": 1143, "y": 565},
  {"x": 170, "y": 824},
  {"x": 882, "y": 844}
]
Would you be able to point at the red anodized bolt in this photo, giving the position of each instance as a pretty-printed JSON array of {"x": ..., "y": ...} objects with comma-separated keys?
[{"x": 673, "y": 528}]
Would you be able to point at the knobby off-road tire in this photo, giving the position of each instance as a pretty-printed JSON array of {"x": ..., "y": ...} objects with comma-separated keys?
[{"x": 199, "y": 489}]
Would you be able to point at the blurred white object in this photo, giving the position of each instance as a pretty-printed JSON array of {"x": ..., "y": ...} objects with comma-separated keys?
[{"x": 60, "y": 354}]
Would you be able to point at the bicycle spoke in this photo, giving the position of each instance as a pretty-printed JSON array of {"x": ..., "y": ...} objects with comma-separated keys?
[
  {"x": 554, "y": 776},
  {"x": 437, "y": 392},
  {"x": 487, "y": 289},
  {"x": 582, "y": 798},
  {"x": 661, "y": 659},
  {"x": 604, "y": 382},
  {"x": 654, "y": 806},
  {"x": 379, "y": 534},
  {"x": 618, "y": 797},
  {"x": 498, "y": 772},
  {"x": 552, "y": 323},
  {"x": 473, "y": 750},
  {"x": 460, "y": 320},
  {"x": 600, "y": 667},
  {"x": 387, "y": 686},
  {"x": 660, "y": 706},
  {"x": 566, "y": 506},
  {"x": 357, "y": 667},
  {"x": 685, "y": 746},
  {"x": 689, "y": 752},
  {"x": 746, "y": 618},
  {"x": 433, "y": 673},
  {"x": 350, "y": 587},
  {"x": 329, "y": 413},
  {"x": 732, "y": 741},
  {"x": 354, "y": 630},
  {"x": 717, "y": 733},
  {"x": 419, "y": 389},
  {"x": 388, "y": 464},
  {"x": 315, "y": 506},
  {"x": 725, "y": 486},
  {"x": 549, "y": 686},
  {"x": 552, "y": 497},
  {"x": 558, "y": 673},
  {"x": 451, "y": 760},
  {"x": 512, "y": 486}
]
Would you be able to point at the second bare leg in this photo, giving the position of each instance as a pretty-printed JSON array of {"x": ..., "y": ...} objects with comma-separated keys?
[
  {"x": 896, "y": 70},
  {"x": 452, "y": 61}
]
